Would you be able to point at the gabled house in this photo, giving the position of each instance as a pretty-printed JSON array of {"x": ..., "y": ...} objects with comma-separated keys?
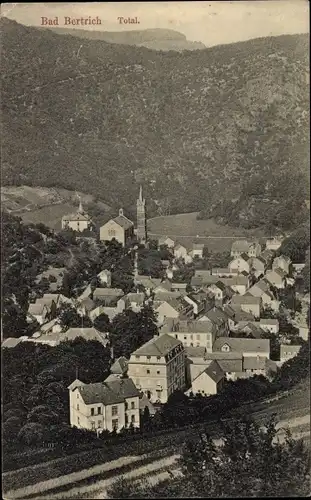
[
  {"x": 240, "y": 263},
  {"x": 119, "y": 367},
  {"x": 194, "y": 333},
  {"x": 199, "y": 301},
  {"x": 173, "y": 308},
  {"x": 273, "y": 244},
  {"x": 147, "y": 282},
  {"x": 288, "y": 351},
  {"x": 158, "y": 367},
  {"x": 167, "y": 241},
  {"x": 180, "y": 287},
  {"x": 110, "y": 405},
  {"x": 269, "y": 325},
  {"x": 197, "y": 250},
  {"x": 221, "y": 292},
  {"x": 164, "y": 286},
  {"x": 246, "y": 347},
  {"x": 134, "y": 301},
  {"x": 46, "y": 306},
  {"x": 120, "y": 228},
  {"x": 248, "y": 303},
  {"x": 224, "y": 272},
  {"x": 111, "y": 312},
  {"x": 252, "y": 249},
  {"x": 105, "y": 277},
  {"x": 257, "y": 266},
  {"x": 209, "y": 381},
  {"x": 181, "y": 252},
  {"x": 267, "y": 256},
  {"x": 238, "y": 284},
  {"x": 53, "y": 339},
  {"x": 262, "y": 289},
  {"x": 107, "y": 296},
  {"x": 85, "y": 306},
  {"x": 276, "y": 277},
  {"x": 219, "y": 319},
  {"x": 282, "y": 262}
]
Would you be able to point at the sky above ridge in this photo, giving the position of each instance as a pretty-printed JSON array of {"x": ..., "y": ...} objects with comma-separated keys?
[{"x": 212, "y": 23}]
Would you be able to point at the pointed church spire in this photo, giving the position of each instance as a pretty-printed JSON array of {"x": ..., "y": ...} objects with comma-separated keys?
[
  {"x": 80, "y": 209},
  {"x": 140, "y": 193}
]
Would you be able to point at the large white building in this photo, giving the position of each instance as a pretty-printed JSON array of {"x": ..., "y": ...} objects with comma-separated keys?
[
  {"x": 108, "y": 405},
  {"x": 78, "y": 221},
  {"x": 158, "y": 367}
]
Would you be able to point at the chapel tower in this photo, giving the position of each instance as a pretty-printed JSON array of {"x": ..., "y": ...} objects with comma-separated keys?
[{"x": 141, "y": 218}]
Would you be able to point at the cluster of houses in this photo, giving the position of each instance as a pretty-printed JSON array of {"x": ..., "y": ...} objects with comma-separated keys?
[{"x": 209, "y": 331}]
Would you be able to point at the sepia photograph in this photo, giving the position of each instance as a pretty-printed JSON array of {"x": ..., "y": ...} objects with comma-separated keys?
[{"x": 155, "y": 257}]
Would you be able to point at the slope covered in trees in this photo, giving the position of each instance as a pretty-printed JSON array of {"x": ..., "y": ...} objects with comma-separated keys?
[{"x": 227, "y": 123}]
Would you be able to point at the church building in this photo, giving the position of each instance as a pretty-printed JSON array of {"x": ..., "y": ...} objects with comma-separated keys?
[
  {"x": 78, "y": 221},
  {"x": 120, "y": 228}
]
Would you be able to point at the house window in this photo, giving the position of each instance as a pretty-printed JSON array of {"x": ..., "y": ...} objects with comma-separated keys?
[
  {"x": 99, "y": 424},
  {"x": 176, "y": 336},
  {"x": 158, "y": 372},
  {"x": 114, "y": 411},
  {"x": 99, "y": 410},
  {"x": 78, "y": 395},
  {"x": 78, "y": 420},
  {"x": 93, "y": 426},
  {"x": 111, "y": 232},
  {"x": 78, "y": 407},
  {"x": 137, "y": 357},
  {"x": 132, "y": 405},
  {"x": 148, "y": 372},
  {"x": 198, "y": 337},
  {"x": 133, "y": 419},
  {"x": 126, "y": 406},
  {"x": 92, "y": 412},
  {"x": 158, "y": 394},
  {"x": 115, "y": 423},
  {"x": 148, "y": 357},
  {"x": 126, "y": 419},
  {"x": 158, "y": 358}
]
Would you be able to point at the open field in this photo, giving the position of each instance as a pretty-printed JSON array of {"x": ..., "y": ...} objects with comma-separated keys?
[
  {"x": 45, "y": 205},
  {"x": 185, "y": 228},
  {"x": 91, "y": 472}
]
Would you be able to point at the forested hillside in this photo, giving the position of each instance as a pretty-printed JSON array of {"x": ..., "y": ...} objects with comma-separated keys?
[
  {"x": 223, "y": 131},
  {"x": 156, "y": 39}
]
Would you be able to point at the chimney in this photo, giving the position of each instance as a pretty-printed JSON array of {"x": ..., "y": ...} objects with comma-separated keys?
[{"x": 121, "y": 211}]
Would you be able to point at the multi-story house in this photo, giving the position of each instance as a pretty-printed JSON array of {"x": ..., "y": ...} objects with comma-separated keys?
[
  {"x": 110, "y": 405},
  {"x": 107, "y": 296},
  {"x": 288, "y": 351},
  {"x": 181, "y": 252},
  {"x": 209, "y": 381},
  {"x": 273, "y": 243},
  {"x": 246, "y": 347},
  {"x": 197, "y": 250},
  {"x": 252, "y": 249},
  {"x": 282, "y": 262},
  {"x": 240, "y": 263},
  {"x": 166, "y": 241},
  {"x": 257, "y": 266},
  {"x": 173, "y": 308},
  {"x": 158, "y": 367},
  {"x": 77, "y": 221},
  {"x": 120, "y": 228},
  {"x": 45, "y": 307},
  {"x": 248, "y": 303},
  {"x": 238, "y": 284},
  {"x": 262, "y": 289},
  {"x": 276, "y": 277},
  {"x": 194, "y": 333}
]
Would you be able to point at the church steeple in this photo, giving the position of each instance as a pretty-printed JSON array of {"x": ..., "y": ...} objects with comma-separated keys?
[{"x": 141, "y": 217}]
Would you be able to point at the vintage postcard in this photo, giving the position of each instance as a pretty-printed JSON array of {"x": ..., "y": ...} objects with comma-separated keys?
[{"x": 155, "y": 333}]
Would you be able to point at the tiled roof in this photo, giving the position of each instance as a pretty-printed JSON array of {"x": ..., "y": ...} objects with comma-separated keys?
[
  {"x": 269, "y": 321},
  {"x": 179, "y": 285},
  {"x": 148, "y": 282},
  {"x": 224, "y": 356},
  {"x": 195, "y": 352},
  {"x": 217, "y": 316},
  {"x": 166, "y": 296},
  {"x": 193, "y": 326},
  {"x": 136, "y": 297},
  {"x": 245, "y": 299},
  {"x": 235, "y": 281},
  {"x": 76, "y": 383},
  {"x": 214, "y": 371},
  {"x": 11, "y": 342},
  {"x": 123, "y": 222},
  {"x": 36, "y": 308},
  {"x": 73, "y": 333},
  {"x": 87, "y": 303},
  {"x": 240, "y": 246},
  {"x": 244, "y": 256},
  {"x": 280, "y": 272},
  {"x": 233, "y": 365},
  {"x": 198, "y": 246},
  {"x": 108, "y": 292},
  {"x": 120, "y": 365},
  {"x": 111, "y": 312},
  {"x": 109, "y": 392},
  {"x": 76, "y": 216},
  {"x": 158, "y": 346},
  {"x": 242, "y": 344},
  {"x": 254, "y": 363}
]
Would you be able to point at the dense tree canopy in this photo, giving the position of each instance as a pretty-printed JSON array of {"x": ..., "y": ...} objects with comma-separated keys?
[{"x": 249, "y": 462}]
